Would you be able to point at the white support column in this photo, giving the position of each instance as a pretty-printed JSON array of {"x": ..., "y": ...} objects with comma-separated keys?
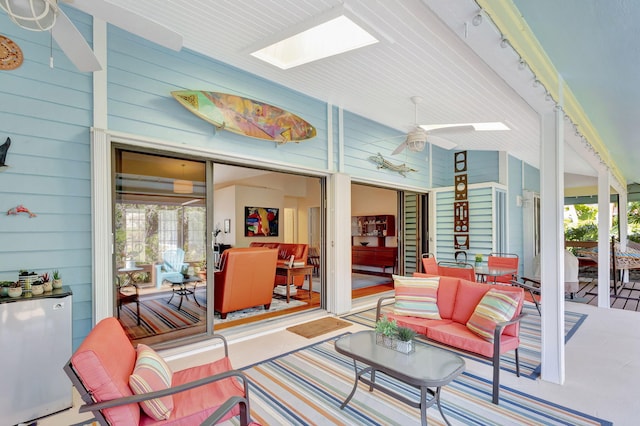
[
  {"x": 102, "y": 236},
  {"x": 552, "y": 246},
  {"x": 604, "y": 222},
  {"x": 101, "y": 228},
  {"x": 339, "y": 244}
]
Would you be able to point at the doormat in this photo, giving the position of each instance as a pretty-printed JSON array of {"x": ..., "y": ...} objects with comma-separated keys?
[{"x": 318, "y": 327}]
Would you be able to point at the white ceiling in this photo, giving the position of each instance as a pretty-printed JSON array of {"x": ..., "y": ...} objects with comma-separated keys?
[{"x": 421, "y": 55}]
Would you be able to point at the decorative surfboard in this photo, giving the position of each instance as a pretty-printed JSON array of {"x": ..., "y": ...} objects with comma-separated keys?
[{"x": 246, "y": 116}]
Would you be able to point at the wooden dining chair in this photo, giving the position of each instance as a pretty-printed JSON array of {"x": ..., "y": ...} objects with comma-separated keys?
[
  {"x": 429, "y": 264},
  {"x": 128, "y": 293},
  {"x": 457, "y": 270},
  {"x": 504, "y": 260}
]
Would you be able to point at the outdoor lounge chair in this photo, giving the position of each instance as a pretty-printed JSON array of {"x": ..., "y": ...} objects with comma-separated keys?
[
  {"x": 101, "y": 369},
  {"x": 171, "y": 266}
]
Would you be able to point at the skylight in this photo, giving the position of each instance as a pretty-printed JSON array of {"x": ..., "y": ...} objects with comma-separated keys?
[{"x": 329, "y": 38}]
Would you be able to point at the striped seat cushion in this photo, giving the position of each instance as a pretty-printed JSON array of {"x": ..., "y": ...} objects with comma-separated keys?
[
  {"x": 151, "y": 373},
  {"x": 494, "y": 307},
  {"x": 416, "y": 296}
]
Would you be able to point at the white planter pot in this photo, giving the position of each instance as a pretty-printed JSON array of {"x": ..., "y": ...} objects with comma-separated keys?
[{"x": 15, "y": 291}]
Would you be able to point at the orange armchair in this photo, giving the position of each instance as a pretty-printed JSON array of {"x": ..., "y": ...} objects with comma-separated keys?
[
  {"x": 300, "y": 253},
  {"x": 245, "y": 279}
]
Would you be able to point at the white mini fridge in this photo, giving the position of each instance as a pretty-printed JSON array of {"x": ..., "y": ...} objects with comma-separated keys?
[{"x": 35, "y": 344}]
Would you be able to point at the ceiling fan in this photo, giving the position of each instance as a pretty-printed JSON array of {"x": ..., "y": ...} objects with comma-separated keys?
[
  {"x": 417, "y": 138},
  {"x": 44, "y": 15}
]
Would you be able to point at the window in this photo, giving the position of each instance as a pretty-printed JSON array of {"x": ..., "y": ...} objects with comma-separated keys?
[
  {"x": 135, "y": 234},
  {"x": 195, "y": 234},
  {"x": 167, "y": 230}
]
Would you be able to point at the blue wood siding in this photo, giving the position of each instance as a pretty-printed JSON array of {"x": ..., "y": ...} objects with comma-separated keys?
[
  {"x": 480, "y": 223},
  {"x": 365, "y": 138},
  {"x": 482, "y": 166},
  {"x": 531, "y": 178},
  {"x": 47, "y": 114},
  {"x": 141, "y": 77}
]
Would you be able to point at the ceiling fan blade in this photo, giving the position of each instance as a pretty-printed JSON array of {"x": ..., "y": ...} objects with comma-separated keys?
[
  {"x": 131, "y": 22},
  {"x": 441, "y": 142},
  {"x": 73, "y": 44},
  {"x": 450, "y": 129},
  {"x": 400, "y": 148}
]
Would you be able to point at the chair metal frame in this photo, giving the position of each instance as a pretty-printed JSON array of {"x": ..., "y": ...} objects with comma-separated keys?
[{"x": 460, "y": 266}]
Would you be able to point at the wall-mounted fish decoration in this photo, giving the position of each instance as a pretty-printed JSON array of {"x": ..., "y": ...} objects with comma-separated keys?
[
  {"x": 381, "y": 163},
  {"x": 4, "y": 148},
  {"x": 20, "y": 209}
]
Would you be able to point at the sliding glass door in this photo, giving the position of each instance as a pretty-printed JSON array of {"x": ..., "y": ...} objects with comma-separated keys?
[
  {"x": 173, "y": 220},
  {"x": 160, "y": 246}
]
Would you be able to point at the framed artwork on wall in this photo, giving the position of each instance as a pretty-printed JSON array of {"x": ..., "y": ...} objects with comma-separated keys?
[
  {"x": 227, "y": 226},
  {"x": 260, "y": 222}
]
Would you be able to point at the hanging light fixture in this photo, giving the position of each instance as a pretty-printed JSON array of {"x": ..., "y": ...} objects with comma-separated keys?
[
  {"x": 32, "y": 15},
  {"x": 183, "y": 186}
]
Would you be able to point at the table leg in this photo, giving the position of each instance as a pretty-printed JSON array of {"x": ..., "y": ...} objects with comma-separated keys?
[
  {"x": 182, "y": 295},
  {"x": 310, "y": 285},
  {"x": 355, "y": 384},
  {"x": 437, "y": 396},
  {"x": 289, "y": 278}
]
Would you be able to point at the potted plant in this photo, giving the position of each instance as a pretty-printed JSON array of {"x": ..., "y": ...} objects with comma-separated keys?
[
  {"x": 405, "y": 339},
  {"x": 385, "y": 331},
  {"x": 4, "y": 288},
  {"x": 37, "y": 287},
  {"x": 15, "y": 289},
  {"x": 57, "y": 279},
  {"x": 46, "y": 282}
]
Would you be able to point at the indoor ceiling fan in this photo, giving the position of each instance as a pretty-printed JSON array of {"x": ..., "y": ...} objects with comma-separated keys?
[
  {"x": 44, "y": 15},
  {"x": 417, "y": 138}
]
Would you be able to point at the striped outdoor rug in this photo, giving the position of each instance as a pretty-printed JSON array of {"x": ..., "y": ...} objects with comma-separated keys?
[
  {"x": 157, "y": 316},
  {"x": 530, "y": 356},
  {"x": 306, "y": 387}
]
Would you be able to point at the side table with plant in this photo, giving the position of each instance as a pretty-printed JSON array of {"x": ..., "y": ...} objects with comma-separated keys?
[{"x": 392, "y": 336}]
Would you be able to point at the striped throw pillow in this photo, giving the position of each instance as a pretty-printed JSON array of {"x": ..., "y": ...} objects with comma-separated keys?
[
  {"x": 151, "y": 373},
  {"x": 416, "y": 296},
  {"x": 496, "y": 306}
]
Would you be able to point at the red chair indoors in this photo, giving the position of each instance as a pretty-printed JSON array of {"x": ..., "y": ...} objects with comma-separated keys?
[
  {"x": 429, "y": 264},
  {"x": 504, "y": 260},
  {"x": 457, "y": 270}
]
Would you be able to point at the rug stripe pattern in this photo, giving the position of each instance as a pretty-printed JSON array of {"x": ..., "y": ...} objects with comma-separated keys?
[
  {"x": 529, "y": 351},
  {"x": 306, "y": 387}
]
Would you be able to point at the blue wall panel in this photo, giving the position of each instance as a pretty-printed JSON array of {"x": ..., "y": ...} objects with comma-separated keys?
[
  {"x": 141, "y": 77},
  {"x": 531, "y": 178},
  {"x": 47, "y": 113},
  {"x": 480, "y": 223},
  {"x": 365, "y": 138}
]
